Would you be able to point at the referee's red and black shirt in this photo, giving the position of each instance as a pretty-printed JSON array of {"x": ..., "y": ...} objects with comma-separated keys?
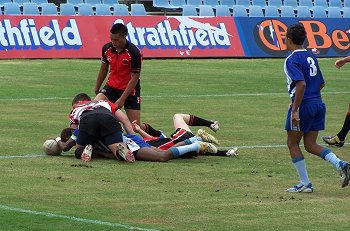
[{"x": 122, "y": 64}]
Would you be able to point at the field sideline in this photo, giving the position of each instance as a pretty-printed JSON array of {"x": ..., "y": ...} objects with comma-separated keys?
[{"x": 248, "y": 97}]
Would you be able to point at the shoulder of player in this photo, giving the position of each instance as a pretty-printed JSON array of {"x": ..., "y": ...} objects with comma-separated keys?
[
  {"x": 132, "y": 49},
  {"x": 107, "y": 46}
]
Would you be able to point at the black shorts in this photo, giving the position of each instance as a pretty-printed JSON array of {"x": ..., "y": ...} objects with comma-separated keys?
[
  {"x": 99, "y": 124},
  {"x": 132, "y": 102}
]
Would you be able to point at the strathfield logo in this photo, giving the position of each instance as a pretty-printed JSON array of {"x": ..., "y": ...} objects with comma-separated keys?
[
  {"x": 26, "y": 35},
  {"x": 271, "y": 33},
  {"x": 180, "y": 33}
]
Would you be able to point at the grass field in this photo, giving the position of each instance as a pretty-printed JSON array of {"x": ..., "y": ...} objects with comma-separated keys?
[{"x": 248, "y": 97}]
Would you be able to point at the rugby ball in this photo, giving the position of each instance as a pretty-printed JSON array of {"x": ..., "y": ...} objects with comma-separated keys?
[{"x": 51, "y": 148}]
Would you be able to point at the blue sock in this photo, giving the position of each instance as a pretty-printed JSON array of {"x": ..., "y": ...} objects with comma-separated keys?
[
  {"x": 300, "y": 166},
  {"x": 178, "y": 151},
  {"x": 328, "y": 155},
  {"x": 192, "y": 139}
]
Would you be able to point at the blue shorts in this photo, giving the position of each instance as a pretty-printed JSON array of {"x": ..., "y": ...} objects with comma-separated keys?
[
  {"x": 312, "y": 117},
  {"x": 139, "y": 141}
]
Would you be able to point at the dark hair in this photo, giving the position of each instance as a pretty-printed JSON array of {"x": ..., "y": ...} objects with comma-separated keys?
[
  {"x": 119, "y": 28},
  {"x": 296, "y": 33},
  {"x": 66, "y": 133},
  {"x": 80, "y": 97}
]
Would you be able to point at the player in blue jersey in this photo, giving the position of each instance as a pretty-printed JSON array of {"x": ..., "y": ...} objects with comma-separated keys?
[
  {"x": 306, "y": 114},
  {"x": 339, "y": 139}
]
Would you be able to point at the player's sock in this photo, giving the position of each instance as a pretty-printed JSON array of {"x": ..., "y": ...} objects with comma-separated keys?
[
  {"x": 300, "y": 166},
  {"x": 328, "y": 155},
  {"x": 345, "y": 129},
  {"x": 150, "y": 130},
  {"x": 197, "y": 121},
  {"x": 192, "y": 139},
  {"x": 178, "y": 151}
]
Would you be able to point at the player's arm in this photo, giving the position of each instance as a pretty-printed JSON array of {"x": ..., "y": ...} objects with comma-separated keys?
[
  {"x": 66, "y": 146},
  {"x": 138, "y": 129},
  {"x": 101, "y": 76},
  {"x": 125, "y": 121},
  {"x": 299, "y": 94},
  {"x": 340, "y": 62}
]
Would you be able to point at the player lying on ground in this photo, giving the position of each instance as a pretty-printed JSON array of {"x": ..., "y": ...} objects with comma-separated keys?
[{"x": 183, "y": 133}]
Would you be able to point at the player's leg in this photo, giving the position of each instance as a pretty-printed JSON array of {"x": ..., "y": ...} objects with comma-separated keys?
[
  {"x": 186, "y": 120},
  {"x": 293, "y": 142},
  {"x": 339, "y": 139},
  {"x": 326, "y": 154},
  {"x": 108, "y": 93}
]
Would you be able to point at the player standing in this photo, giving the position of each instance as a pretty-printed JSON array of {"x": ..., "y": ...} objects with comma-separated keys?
[
  {"x": 306, "y": 114},
  {"x": 123, "y": 85}
]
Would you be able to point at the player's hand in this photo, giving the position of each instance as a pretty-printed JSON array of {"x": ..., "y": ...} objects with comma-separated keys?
[
  {"x": 295, "y": 121},
  {"x": 339, "y": 63},
  {"x": 135, "y": 126}
]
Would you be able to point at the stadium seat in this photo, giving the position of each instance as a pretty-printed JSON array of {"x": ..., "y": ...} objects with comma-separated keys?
[
  {"x": 48, "y": 9},
  {"x": 245, "y": 3},
  {"x": 292, "y": 3},
  {"x": 195, "y": 3},
  {"x": 212, "y": 3},
  {"x": 277, "y": 3},
  {"x": 30, "y": 8},
  {"x": 255, "y": 11},
  {"x": 93, "y": 2},
  {"x": 346, "y": 12},
  {"x": 75, "y": 2},
  {"x": 323, "y": 3},
  {"x": 335, "y": 3},
  {"x": 271, "y": 11},
  {"x": 20, "y": 2},
  {"x": 261, "y": 3},
  {"x": 334, "y": 12},
  {"x": 189, "y": 10},
  {"x": 120, "y": 10},
  {"x": 85, "y": 9},
  {"x": 287, "y": 11},
  {"x": 228, "y": 3},
  {"x": 178, "y": 3},
  {"x": 39, "y": 2},
  {"x": 319, "y": 12},
  {"x": 303, "y": 12},
  {"x": 239, "y": 11},
  {"x": 164, "y": 5},
  {"x": 206, "y": 10},
  {"x": 110, "y": 2},
  {"x": 137, "y": 10},
  {"x": 222, "y": 10},
  {"x": 2, "y": 3},
  {"x": 346, "y": 3},
  {"x": 11, "y": 8},
  {"x": 67, "y": 9},
  {"x": 307, "y": 3},
  {"x": 102, "y": 9}
]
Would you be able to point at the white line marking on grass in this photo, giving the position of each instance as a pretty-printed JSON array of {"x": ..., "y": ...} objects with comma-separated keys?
[
  {"x": 176, "y": 96},
  {"x": 22, "y": 156},
  {"x": 97, "y": 222}
]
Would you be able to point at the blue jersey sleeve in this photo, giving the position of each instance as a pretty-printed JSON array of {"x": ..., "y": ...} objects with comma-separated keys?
[{"x": 294, "y": 71}]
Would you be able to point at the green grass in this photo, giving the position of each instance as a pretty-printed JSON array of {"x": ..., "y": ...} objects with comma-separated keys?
[{"x": 248, "y": 97}]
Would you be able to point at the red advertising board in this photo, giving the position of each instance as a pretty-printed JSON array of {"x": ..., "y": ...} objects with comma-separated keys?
[{"x": 84, "y": 36}]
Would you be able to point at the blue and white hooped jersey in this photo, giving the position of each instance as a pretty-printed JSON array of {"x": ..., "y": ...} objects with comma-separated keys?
[{"x": 302, "y": 65}]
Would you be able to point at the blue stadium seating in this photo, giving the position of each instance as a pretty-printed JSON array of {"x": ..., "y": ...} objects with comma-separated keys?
[
  {"x": 178, "y": 3},
  {"x": 20, "y": 2},
  {"x": 196, "y": 3},
  {"x": 255, "y": 11},
  {"x": 292, "y": 3},
  {"x": 75, "y": 2},
  {"x": 137, "y": 9},
  {"x": 189, "y": 10},
  {"x": 212, "y": 3},
  {"x": 261, "y": 3},
  {"x": 85, "y": 9},
  {"x": 164, "y": 5},
  {"x": 48, "y": 9},
  {"x": 222, "y": 10},
  {"x": 120, "y": 10},
  {"x": 245, "y": 3},
  {"x": 307, "y": 3},
  {"x": 67, "y": 9},
  {"x": 102, "y": 9},
  {"x": 11, "y": 8},
  {"x": 206, "y": 10},
  {"x": 303, "y": 12},
  {"x": 93, "y": 2},
  {"x": 30, "y": 8},
  {"x": 287, "y": 11},
  {"x": 346, "y": 12},
  {"x": 323, "y": 3},
  {"x": 334, "y": 12},
  {"x": 271, "y": 11},
  {"x": 335, "y": 3},
  {"x": 277, "y": 3},
  {"x": 110, "y": 2},
  {"x": 346, "y": 3},
  {"x": 239, "y": 11},
  {"x": 228, "y": 3},
  {"x": 319, "y": 12},
  {"x": 39, "y": 2},
  {"x": 2, "y": 2}
]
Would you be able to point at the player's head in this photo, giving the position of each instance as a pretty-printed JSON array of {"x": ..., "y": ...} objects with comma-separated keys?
[
  {"x": 296, "y": 34},
  {"x": 80, "y": 97},
  {"x": 118, "y": 35}
]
